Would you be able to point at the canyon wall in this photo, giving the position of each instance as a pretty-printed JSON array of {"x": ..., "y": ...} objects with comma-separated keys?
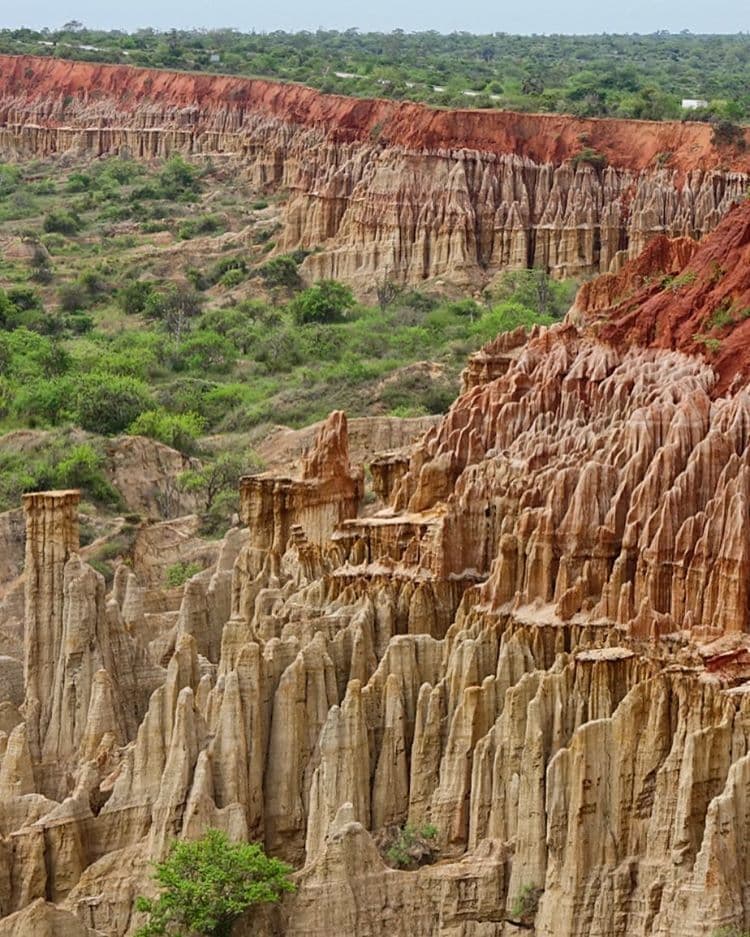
[
  {"x": 387, "y": 190},
  {"x": 534, "y": 646}
]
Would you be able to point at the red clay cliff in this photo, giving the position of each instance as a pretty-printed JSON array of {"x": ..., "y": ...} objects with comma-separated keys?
[{"x": 627, "y": 144}]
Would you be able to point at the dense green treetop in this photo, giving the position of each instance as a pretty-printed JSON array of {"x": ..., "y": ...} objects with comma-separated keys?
[{"x": 207, "y": 884}]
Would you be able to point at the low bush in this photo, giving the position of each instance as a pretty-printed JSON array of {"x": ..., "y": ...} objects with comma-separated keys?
[
  {"x": 281, "y": 271},
  {"x": 409, "y": 847},
  {"x": 526, "y": 904},
  {"x": 133, "y": 297},
  {"x": 589, "y": 157},
  {"x": 109, "y": 403},
  {"x": 206, "y": 224},
  {"x": 178, "y": 430},
  {"x": 325, "y": 301},
  {"x": 179, "y": 573},
  {"x": 56, "y": 464},
  {"x": 60, "y": 221}
]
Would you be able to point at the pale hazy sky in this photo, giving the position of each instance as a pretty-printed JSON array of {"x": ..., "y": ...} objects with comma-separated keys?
[{"x": 526, "y": 16}]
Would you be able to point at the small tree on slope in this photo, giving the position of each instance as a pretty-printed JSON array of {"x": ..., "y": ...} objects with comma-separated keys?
[{"x": 207, "y": 884}]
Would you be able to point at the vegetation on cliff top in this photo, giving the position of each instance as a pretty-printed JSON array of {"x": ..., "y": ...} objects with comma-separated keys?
[
  {"x": 590, "y": 76},
  {"x": 141, "y": 299}
]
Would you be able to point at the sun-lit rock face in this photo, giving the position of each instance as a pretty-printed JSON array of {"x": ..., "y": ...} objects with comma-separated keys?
[
  {"x": 385, "y": 190},
  {"x": 538, "y": 647}
]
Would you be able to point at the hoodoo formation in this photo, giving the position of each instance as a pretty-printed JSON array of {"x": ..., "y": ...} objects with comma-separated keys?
[
  {"x": 384, "y": 190},
  {"x": 536, "y": 642}
]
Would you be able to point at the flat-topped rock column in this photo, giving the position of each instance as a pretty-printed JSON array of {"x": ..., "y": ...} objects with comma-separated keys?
[{"x": 51, "y": 538}]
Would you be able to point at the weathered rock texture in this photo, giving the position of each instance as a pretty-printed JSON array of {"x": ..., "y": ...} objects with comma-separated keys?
[
  {"x": 391, "y": 190},
  {"x": 538, "y": 646}
]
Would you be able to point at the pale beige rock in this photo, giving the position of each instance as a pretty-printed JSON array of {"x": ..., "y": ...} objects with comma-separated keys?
[{"x": 42, "y": 919}]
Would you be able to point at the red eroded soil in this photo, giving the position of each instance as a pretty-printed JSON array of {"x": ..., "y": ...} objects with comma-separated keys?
[
  {"x": 630, "y": 144},
  {"x": 691, "y": 298}
]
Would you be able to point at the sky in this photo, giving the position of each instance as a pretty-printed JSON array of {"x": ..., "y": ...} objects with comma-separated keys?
[{"x": 481, "y": 16}]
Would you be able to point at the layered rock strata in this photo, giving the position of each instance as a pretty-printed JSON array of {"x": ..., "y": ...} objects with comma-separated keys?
[
  {"x": 388, "y": 190},
  {"x": 538, "y": 648}
]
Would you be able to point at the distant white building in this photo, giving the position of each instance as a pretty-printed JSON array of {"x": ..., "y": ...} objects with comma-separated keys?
[
  {"x": 214, "y": 57},
  {"x": 693, "y": 104}
]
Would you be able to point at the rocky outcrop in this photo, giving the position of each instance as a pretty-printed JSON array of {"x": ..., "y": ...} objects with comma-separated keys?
[
  {"x": 43, "y": 920},
  {"x": 534, "y": 654},
  {"x": 693, "y": 298},
  {"x": 51, "y": 539},
  {"x": 145, "y": 472},
  {"x": 80, "y": 664},
  {"x": 395, "y": 191}
]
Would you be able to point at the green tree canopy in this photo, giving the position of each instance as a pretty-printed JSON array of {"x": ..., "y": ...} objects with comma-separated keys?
[
  {"x": 207, "y": 884},
  {"x": 325, "y": 301}
]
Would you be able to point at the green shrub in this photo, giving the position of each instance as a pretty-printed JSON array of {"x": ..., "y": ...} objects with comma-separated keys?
[
  {"x": 526, "y": 903},
  {"x": 419, "y": 302},
  {"x": 281, "y": 271},
  {"x": 73, "y": 296},
  {"x": 206, "y": 224},
  {"x": 216, "y": 484},
  {"x": 721, "y": 317},
  {"x": 279, "y": 351},
  {"x": 25, "y": 355},
  {"x": 59, "y": 221},
  {"x": 84, "y": 467},
  {"x": 232, "y": 278},
  {"x": 55, "y": 464},
  {"x": 207, "y": 884},
  {"x": 205, "y": 351},
  {"x": 79, "y": 323},
  {"x": 405, "y": 411},
  {"x": 24, "y": 298},
  {"x": 179, "y": 573},
  {"x": 175, "y": 306},
  {"x": 45, "y": 401},
  {"x": 225, "y": 265},
  {"x": 109, "y": 403},
  {"x": 536, "y": 290},
  {"x": 712, "y": 345},
  {"x": 134, "y": 297},
  {"x": 10, "y": 179},
  {"x": 178, "y": 430},
  {"x": 686, "y": 278},
  {"x": 178, "y": 180},
  {"x": 589, "y": 157},
  {"x": 410, "y": 847},
  {"x": 79, "y": 182},
  {"x": 325, "y": 301},
  {"x": 467, "y": 308}
]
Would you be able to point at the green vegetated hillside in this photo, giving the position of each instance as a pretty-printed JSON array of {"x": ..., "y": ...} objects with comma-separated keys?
[
  {"x": 150, "y": 300},
  {"x": 621, "y": 75}
]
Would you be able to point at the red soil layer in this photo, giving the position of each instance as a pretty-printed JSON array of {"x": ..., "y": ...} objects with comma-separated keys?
[
  {"x": 691, "y": 298},
  {"x": 629, "y": 144}
]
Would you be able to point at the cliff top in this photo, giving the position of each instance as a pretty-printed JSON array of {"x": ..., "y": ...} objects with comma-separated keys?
[{"x": 628, "y": 144}]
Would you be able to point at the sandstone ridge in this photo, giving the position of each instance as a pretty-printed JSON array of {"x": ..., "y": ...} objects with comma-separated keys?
[
  {"x": 394, "y": 190},
  {"x": 556, "y": 572}
]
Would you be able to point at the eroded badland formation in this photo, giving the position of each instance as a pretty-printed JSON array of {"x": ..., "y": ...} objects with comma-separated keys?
[
  {"x": 393, "y": 190},
  {"x": 538, "y": 642}
]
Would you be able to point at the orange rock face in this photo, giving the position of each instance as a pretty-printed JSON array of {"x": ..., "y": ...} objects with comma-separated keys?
[
  {"x": 538, "y": 644},
  {"x": 391, "y": 189},
  {"x": 677, "y": 295}
]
